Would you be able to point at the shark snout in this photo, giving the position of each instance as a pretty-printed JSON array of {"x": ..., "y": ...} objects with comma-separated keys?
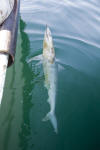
[{"x": 48, "y": 32}]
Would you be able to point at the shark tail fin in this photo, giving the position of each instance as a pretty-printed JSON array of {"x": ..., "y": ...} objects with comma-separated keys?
[{"x": 51, "y": 116}]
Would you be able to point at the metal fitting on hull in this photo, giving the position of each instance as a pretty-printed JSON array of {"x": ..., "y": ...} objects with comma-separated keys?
[{"x": 8, "y": 33}]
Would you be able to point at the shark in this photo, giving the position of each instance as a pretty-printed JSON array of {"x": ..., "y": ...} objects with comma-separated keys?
[{"x": 49, "y": 68}]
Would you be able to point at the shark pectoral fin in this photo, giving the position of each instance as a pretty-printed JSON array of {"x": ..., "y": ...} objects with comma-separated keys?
[
  {"x": 61, "y": 65},
  {"x": 51, "y": 116},
  {"x": 58, "y": 62},
  {"x": 46, "y": 118},
  {"x": 35, "y": 58}
]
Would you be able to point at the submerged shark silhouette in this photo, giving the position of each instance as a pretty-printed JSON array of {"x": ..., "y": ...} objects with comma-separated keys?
[{"x": 48, "y": 59}]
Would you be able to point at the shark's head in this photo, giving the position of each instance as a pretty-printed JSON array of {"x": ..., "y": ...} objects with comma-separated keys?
[{"x": 48, "y": 49}]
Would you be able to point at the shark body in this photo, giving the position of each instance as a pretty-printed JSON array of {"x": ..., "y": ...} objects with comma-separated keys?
[{"x": 49, "y": 67}]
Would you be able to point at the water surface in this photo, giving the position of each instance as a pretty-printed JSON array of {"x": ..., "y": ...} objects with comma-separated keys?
[{"x": 75, "y": 30}]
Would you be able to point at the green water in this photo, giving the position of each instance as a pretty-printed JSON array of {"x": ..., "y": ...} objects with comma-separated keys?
[{"x": 75, "y": 30}]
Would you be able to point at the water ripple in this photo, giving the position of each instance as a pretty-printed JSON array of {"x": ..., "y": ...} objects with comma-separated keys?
[{"x": 63, "y": 39}]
